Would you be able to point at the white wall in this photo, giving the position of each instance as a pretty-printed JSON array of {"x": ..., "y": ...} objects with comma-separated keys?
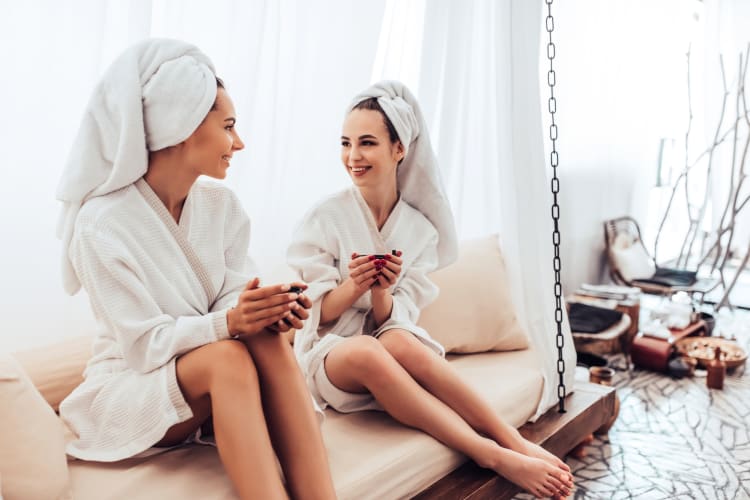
[{"x": 620, "y": 88}]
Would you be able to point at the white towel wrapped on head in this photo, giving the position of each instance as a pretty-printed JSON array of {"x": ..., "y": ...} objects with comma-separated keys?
[
  {"x": 153, "y": 96},
  {"x": 419, "y": 179}
]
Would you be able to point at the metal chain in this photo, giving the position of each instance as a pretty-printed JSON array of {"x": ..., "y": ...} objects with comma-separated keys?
[{"x": 552, "y": 107}]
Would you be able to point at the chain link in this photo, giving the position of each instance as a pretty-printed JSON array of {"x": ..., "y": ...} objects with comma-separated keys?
[{"x": 549, "y": 24}]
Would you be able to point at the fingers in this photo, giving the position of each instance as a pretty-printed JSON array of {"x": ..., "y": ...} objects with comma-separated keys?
[
  {"x": 254, "y": 315},
  {"x": 304, "y": 301},
  {"x": 247, "y": 302},
  {"x": 364, "y": 276},
  {"x": 359, "y": 261},
  {"x": 253, "y": 283},
  {"x": 388, "y": 275},
  {"x": 300, "y": 311},
  {"x": 259, "y": 293},
  {"x": 294, "y": 320},
  {"x": 299, "y": 284}
]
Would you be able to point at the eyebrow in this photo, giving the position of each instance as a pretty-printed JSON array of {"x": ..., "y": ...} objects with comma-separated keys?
[
  {"x": 366, "y": 136},
  {"x": 231, "y": 119}
]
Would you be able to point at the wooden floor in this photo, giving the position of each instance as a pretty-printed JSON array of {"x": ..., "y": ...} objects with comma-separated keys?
[{"x": 587, "y": 409}]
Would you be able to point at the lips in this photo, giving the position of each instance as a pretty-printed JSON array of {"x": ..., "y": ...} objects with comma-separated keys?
[{"x": 359, "y": 170}]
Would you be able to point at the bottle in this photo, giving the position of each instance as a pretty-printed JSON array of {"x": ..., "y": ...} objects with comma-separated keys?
[{"x": 717, "y": 369}]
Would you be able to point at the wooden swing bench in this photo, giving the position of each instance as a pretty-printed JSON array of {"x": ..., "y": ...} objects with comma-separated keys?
[
  {"x": 587, "y": 409},
  {"x": 371, "y": 455}
]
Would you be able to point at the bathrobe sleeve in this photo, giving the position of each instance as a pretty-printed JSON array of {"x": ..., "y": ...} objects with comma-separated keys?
[
  {"x": 148, "y": 337},
  {"x": 414, "y": 290},
  {"x": 314, "y": 258},
  {"x": 240, "y": 268}
]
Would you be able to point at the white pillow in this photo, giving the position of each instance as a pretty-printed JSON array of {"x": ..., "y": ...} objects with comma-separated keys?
[{"x": 631, "y": 259}]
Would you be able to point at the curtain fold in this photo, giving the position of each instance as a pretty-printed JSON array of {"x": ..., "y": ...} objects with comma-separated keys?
[{"x": 480, "y": 93}]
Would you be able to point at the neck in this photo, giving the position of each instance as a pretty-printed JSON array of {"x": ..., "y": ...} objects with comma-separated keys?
[
  {"x": 169, "y": 179},
  {"x": 381, "y": 202}
]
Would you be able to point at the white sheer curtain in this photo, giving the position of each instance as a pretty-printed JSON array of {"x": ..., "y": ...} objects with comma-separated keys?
[
  {"x": 291, "y": 67},
  {"x": 478, "y": 86},
  {"x": 52, "y": 53}
]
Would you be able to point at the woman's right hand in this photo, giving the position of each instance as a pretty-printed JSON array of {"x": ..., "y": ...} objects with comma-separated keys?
[
  {"x": 363, "y": 272},
  {"x": 260, "y": 307}
]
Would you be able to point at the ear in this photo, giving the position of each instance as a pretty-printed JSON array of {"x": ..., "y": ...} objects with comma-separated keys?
[{"x": 399, "y": 151}]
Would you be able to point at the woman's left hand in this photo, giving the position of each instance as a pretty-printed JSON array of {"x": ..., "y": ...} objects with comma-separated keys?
[
  {"x": 389, "y": 273},
  {"x": 297, "y": 315}
]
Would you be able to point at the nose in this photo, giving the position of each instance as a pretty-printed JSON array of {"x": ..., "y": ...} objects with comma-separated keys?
[
  {"x": 354, "y": 153},
  {"x": 237, "y": 143}
]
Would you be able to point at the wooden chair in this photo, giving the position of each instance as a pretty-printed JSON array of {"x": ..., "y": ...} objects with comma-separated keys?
[{"x": 665, "y": 280}]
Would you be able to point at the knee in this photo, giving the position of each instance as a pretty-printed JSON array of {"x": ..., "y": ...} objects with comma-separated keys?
[
  {"x": 366, "y": 358},
  {"x": 231, "y": 362},
  {"x": 270, "y": 350},
  {"x": 408, "y": 350}
]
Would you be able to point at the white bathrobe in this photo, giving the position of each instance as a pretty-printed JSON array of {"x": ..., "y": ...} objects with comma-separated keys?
[
  {"x": 151, "y": 306},
  {"x": 320, "y": 252}
]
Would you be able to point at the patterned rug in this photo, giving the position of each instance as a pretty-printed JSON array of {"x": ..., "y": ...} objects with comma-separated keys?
[{"x": 674, "y": 438}]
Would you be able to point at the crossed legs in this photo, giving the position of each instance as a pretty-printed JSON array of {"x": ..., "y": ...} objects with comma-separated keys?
[
  {"x": 260, "y": 405},
  {"x": 420, "y": 389}
]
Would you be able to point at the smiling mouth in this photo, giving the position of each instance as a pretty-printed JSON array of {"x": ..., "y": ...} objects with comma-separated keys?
[
  {"x": 359, "y": 170},
  {"x": 226, "y": 158}
]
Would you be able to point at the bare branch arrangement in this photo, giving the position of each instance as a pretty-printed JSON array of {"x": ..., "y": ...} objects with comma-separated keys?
[{"x": 719, "y": 240}]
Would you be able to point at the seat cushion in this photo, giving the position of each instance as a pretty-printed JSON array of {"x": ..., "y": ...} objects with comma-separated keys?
[
  {"x": 57, "y": 369},
  {"x": 32, "y": 448},
  {"x": 371, "y": 455}
]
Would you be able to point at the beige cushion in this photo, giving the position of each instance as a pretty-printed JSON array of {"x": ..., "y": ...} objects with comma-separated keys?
[
  {"x": 371, "y": 455},
  {"x": 474, "y": 312},
  {"x": 32, "y": 453},
  {"x": 57, "y": 369}
]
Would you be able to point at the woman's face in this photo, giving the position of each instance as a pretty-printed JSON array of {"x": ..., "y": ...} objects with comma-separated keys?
[
  {"x": 367, "y": 152},
  {"x": 210, "y": 148}
]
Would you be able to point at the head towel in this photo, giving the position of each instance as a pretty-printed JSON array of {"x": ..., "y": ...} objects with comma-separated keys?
[
  {"x": 154, "y": 95},
  {"x": 419, "y": 177}
]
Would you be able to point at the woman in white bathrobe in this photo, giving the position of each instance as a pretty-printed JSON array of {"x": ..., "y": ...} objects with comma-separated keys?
[
  {"x": 365, "y": 253},
  {"x": 186, "y": 333}
]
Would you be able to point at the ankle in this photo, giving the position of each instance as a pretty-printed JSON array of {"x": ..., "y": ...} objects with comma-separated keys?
[{"x": 492, "y": 455}]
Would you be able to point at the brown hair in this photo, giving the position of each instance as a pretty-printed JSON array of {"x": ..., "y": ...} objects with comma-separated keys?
[
  {"x": 373, "y": 105},
  {"x": 219, "y": 85}
]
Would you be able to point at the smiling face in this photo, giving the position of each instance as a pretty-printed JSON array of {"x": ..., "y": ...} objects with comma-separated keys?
[
  {"x": 367, "y": 152},
  {"x": 210, "y": 148}
]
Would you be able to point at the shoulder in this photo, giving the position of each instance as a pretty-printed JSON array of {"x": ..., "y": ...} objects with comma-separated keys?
[
  {"x": 329, "y": 207},
  {"x": 108, "y": 212},
  {"x": 215, "y": 194}
]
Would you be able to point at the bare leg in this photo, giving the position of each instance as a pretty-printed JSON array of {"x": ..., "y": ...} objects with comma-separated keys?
[
  {"x": 439, "y": 378},
  {"x": 221, "y": 377},
  {"x": 362, "y": 364},
  {"x": 293, "y": 425}
]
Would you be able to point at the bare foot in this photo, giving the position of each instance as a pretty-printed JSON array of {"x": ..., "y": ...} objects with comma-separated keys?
[
  {"x": 533, "y": 450},
  {"x": 535, "y": 475}
]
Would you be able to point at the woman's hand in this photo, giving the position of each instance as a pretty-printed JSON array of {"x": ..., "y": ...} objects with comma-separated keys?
[
  {"x": 298, "y": 313},
  {"x": 261, "y": 307},
  {"x": 389, "y": 270},
  {"x": 363, "y": 272}
]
